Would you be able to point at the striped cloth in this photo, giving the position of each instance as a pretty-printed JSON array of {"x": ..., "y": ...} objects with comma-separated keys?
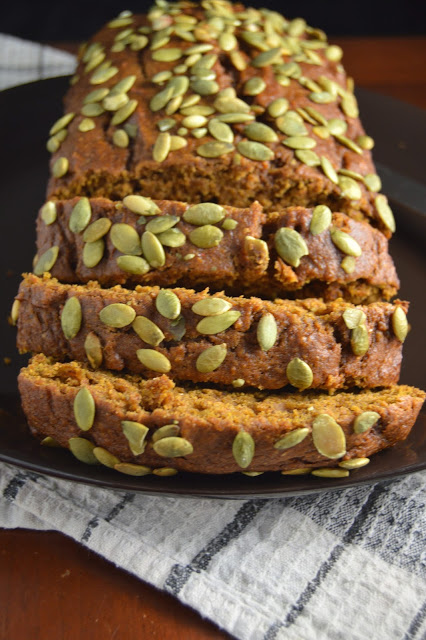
[{"x": 341, "y": 565}]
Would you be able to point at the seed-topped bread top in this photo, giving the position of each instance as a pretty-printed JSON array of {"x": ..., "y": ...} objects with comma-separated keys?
[{"x": 215, "y": 101}]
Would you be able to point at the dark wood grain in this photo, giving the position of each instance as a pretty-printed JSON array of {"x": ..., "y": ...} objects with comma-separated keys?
[{"x": 53, "y": 589}]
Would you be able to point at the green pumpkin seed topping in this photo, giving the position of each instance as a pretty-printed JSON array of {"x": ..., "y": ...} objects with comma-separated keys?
[
  {"x": 227, "y": 41},
  {"x": 308, "y": 157},
  {"x": 165, "y": 124},
  {"x": 141, "y": 205},
  {"x": 133, "y": 264},
  {"x": 328, "y": 437},
  {"x": 373, "y": 182},
  {"x": 61, "y": 123},
  {"x": 102, "y": 74},
  {"x": 330, "y": 473},
  {"x": 92, "y": 110},
  {"x": 206, "y": 237},
  {"x": 168, "y": 304},
  {"x": 210, "y": 325},
  {"x": 148, "y": 331},
  {"x": 87, "y": 124},
  {"x": 93, "y": 349},
  {"x": 163, "y": 223},
  {"x": 385, "y": 212},
  {"x": 211, "y": 358},
  {"x": 97, "y": 95},
  {"x": 214, "y": 149},
  {"x": 291, "y": 124},
  {"x": 153, "y": 250},
  {"x": 255, "y": 151},
  {"x": 290, "y": 246},
  {"x": 345, "y": 242},
  {"x": 329, "y": 170},
  {"x": 291, "y": 439},
  {"x": 204, "y": 213},
  {"x": 71, "y": 318},
  {"x": 165, "y": 471},
  {"x": 135, "y": 434},
  {"x": 221, "y": 131},
  {"x": 46, "y": 261},
  {"x": 167, "y": 55},
  {"x": 173, "y": 447},
  {"x": 254, "y": 86},
  {"x": 243, "y": 449},
  {"x": 349, "y": 106},
  {"x": 132, "y": 469},
  {"x": 300, "y": 142},
  {"x": 161, "y": 147},
  {"x": 14, "y": 312},
  {"x": 299, "y": 374},
  {"x": 264, "y": 59},
  {"x": 360, "y": 341},
  {"x": 260, "y": 132},
  {"x": 400, "y": 324},
  {"x": 354, "y": 317},
  {"x": 211, "y": 306},
  {"x": 123, "y": 86},
  {"x": 229, "y": 224},
  {"x": 120, "y": 138},
  {"x": 321, "y": 219},
  {"x": 177, "y": 142},
  {"x": 124, "y": 112},
  {"x": 348, "y": 264},
  {"x": 48, "y": 212},
  {"x": 154, "y": 360},
  {"x": 167, "y": 431},
  {"x": 84, "y": 409},
  {"x": 365, "y": 142},
  {"x": 267, "y": 332},
  {"x": 126, "y": 239},
  {"x": 349, "y": 188},
  {"x": 49, "y": 442},
  {"x": 172, "y": 238},
  {"x": 60, "y": 167},
  {"x": 80, "y": 215},
  {"x": 354, "y": 463},
  {"x": 113, "y": 102},
  {"x": 82, "y": 449},
  {"x": 278, "y": 107},
  {"x": 336, "y": 126},
  {"x": 93, "y": 253},
  {"x": 238, "y": 382},
  {"x": 302, "y": 471},
  {"x": 117, "y": 315},
  {"x": 97, "y": 230},
  {"x": 105, "y": 457},
  {"x": 365, "y": 421}
]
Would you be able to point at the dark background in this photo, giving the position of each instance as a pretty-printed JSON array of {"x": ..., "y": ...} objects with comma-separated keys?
[{"x": 53, "y": 20}]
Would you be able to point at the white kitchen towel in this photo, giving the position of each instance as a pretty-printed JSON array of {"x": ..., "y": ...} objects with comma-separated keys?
[{"x": 340, "y": 565}]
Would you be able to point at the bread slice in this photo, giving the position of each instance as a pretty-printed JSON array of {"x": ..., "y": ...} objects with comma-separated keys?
[
  {"x": 209, "y": 431},
  {"x": 190, "y": 113},
  {"x": 246, "y": 253},
  {"x": 196, "y": 337}
]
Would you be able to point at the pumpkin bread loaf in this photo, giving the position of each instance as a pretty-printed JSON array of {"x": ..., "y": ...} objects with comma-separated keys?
[
  {"x": 296, "y": 252},
  {"x": 135, "y": 425}
]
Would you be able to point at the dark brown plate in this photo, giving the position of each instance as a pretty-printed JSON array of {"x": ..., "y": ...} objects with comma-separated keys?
[{"x": 26, "y": 113}]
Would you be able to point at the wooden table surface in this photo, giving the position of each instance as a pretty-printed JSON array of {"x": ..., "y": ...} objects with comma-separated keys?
[{"x": 52, "y": 588}]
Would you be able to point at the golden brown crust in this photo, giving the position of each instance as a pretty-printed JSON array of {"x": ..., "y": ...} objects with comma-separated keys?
[
  {"x": 208, "y": 419},
  {"x": 236, "y": 263},
  {"x": 305, "y": 73},
  {"x": 310, "y": 330}
]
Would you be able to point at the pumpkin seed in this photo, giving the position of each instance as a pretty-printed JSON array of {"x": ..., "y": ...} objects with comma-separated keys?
[
  {"x": 173, "y": 105},
  {"x": 132, "y": 469},
  {"x": 133, "y": 264},
  {"x": 49, "y": 442},
  {"x": 179, "y": 85},
  {"x": 167, "y": 431},
  {"x": 173, "y": 447},
  {"x": 96, "y": 95},
  {"x": 54, "y": 143},
  {"x": 334, "y": 53},
  {"x": 166, "y": 124},
  {"x": 321, "y": 97},
  {"x": 254, "y": 86},
  {"x": 80, "y": 215},
  {"x": 331, "y": 473},
  {"x": 204, "y": 87},
  {"x": 199, "y": 133},
  {"x": 227, "y": 41},
  {"x": 123, "y": 86},
  {"x": 300, "y": 142},
  {"x": 214, "y": 149},
  {"x": 14, "y": 312},
  {"x": 267, "y": 332},
  {"x": 260, "y": 132},
  {"x": 105, "y": 457},
  {"x": 238, "y": 382},
  {"x": 60, "y": 167},
  {"x": 92, "y": 110},
  {"x": 117, "y": 315},
  {"x": 138, "y": 42},
  {"x": 308, "y": 157},
  {"x": 161, "y": 147},
  {"x": 336, "y": 126},
  {"x": 46, "y": 261},
  {"x": 290, "y": 125},
  {"x": 299, "y": 374},
  {"x": 228, "y": 104},
  {"x": 153, "y": 250},
  {"x": 204, "y": 213},
  {"x": 103, "y": 74},
  {"x": 124, "y": 112},
  {"x": 120, "y": 138},
  {"x": 329, "y": 170},
  {"x": 87, "y": 124},
  {"x": 243, "y": 448},
  {"x": 154, "y": 360},
  {"x": 354, "y": 463},
  {"x": 328, "y": 437},
  {"x": 321, "y": 132},
  {"x": 365, "y": 421},
  {"x": 290, "y": 245},
  {"x": 211, "y": 306},
  {"x": 177, "y": 142},
  {"x": 148, "y": 331},
  {"x": 350, "y": 144},
  {"x": 167, "y": 55},
  {"x": 400, "y": 324},
  {"x": 238, "y": 60},
  {"x": 264, "y": 59},
  {"x": 135, "y": 433},
  {"x": 349, "y": 106},
  {"x": 165, "y": 471},
  {"x": 321, "y": 219},
  {"x": 126, "y": 239},
  {"x": 121, "y": 21},
  {"x": 82, "y": 449},
  {"x": 255, "y": 151},
  {"x": 302, "y": 471},
  {"x": 168, "y": 304},
  {"x": 351, "y": 174},
  {"x": 84, "y": 409},
  {"x": 229, "y": 224},
  {"x": 172, "y": 238},
  {"x": 221, "y": 131},
  {"x": 194, "y": 121},
  {"x": 61, "y": 123},
  {"x": 93, "y": 253},
  {"x": 97, "y": 230},
  {"x": 71, "y": 317},
  {"x": 365, "y": 142},
  {"x": 345, "y": 242},
  {"x": 348, "y": 264},
  {"x": 278, "y": 107},
  {"x": 291, "y": 439},
  {"x": 113, "y": 102},
  {"x": 373, "y": 182},
  {"x": 211, "y": 325},
  {"x": 385, "y": 212},
  {"x": 211, "y": 358},
  {"x": 141, "y": 205},
  {"x": 93, "y": 349},
  {"x": 354, "y": 317},
  {"x": 160, "y": 100},
  {"x": 206, "y": 237},
  {"x": 158, "y": 225},
  {"x": 48, "y": 212},
  {"x": 360, "y": 340},
  {"x": 252, "y": 474}
]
